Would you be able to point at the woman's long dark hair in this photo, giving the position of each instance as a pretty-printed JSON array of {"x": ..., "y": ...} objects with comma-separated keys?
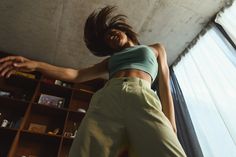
[{"x": 98, "y": 23}]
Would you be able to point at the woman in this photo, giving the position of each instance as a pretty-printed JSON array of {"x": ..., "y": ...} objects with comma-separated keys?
[{"x": 125, "y": 112}]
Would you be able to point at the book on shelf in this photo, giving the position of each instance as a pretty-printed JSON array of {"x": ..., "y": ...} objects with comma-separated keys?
[
  {"x": 16, "y": 124},
  {"x": 27, "y": 75}
]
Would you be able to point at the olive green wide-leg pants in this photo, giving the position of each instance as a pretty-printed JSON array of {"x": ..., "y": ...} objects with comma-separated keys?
[{"x": 125, "y": 112}]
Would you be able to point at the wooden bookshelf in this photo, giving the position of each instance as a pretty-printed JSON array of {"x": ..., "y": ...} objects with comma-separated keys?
[{"x": 20, "y": 107}]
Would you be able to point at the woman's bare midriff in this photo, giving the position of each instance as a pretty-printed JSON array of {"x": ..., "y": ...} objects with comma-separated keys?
[{"x": 133, "y": 73}]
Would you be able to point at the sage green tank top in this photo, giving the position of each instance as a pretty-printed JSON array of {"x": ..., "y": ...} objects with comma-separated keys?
[{"x": 139, "y": 57}]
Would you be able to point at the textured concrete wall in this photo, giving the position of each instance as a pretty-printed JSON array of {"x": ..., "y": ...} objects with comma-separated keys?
[{"x": 52, "y": 30}]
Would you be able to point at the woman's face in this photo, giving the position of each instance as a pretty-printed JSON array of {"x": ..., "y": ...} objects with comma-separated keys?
[{"x": 116, "y": 39}]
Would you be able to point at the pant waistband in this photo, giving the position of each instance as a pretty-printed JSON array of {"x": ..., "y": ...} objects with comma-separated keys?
[{"x": 121, "y": 80}]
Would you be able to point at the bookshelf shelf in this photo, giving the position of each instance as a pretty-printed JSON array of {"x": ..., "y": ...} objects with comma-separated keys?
[
  {"x": 42, "y": 117},
  {"x": 37, "y": 145}
]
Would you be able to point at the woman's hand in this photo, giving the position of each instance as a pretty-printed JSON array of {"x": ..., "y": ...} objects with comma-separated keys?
[{"x": 10, "y": 64}]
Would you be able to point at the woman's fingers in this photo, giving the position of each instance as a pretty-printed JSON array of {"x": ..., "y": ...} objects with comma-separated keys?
[
  {"x": 8, "y": 58},
  {"x": 12, "y": 58},
  {"x": 11, "y": 64},
  {"x": 10, "y": 72},
  {"x": 5, "y": 65},
  {"x": 6, "y": 70}
]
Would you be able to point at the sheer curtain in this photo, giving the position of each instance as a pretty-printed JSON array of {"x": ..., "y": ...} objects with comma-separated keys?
[
  {"x": 208, "y": 81},
  {"x": 185, "y": 130},
  {"x": 227, "y": 19}
]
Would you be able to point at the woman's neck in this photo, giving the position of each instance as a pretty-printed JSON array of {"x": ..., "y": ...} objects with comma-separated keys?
[{"x": 129, "y": 44}]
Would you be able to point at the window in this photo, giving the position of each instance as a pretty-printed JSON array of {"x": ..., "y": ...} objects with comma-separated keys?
[
  {"x": 227, "y": 20},
  {"x": 207, "y": 78}
]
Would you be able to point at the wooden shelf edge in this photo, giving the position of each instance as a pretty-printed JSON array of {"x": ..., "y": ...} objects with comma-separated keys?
[{"x": 41, "y": 134}]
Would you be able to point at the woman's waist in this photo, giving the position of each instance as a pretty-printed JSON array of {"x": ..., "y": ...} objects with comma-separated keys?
[
  {"x": 130, "y": 77},
  {"x": 132, "y": 73}
]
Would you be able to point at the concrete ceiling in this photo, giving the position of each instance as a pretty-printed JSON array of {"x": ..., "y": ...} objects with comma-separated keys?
[{"x": 52, "y": 30}]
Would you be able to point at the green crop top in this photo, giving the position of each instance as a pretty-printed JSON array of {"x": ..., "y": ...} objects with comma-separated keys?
[{"x": 139, "y": 57}]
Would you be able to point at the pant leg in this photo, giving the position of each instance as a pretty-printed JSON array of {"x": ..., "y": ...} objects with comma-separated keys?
[
  {"x": 102, "y": 132},
  {"x": 150, "y": 132}
]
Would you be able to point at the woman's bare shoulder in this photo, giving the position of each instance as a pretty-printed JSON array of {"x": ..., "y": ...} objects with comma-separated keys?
[{"x": 158, "y": 48}]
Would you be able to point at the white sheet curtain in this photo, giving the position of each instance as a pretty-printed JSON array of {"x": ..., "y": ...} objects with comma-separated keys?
[
  {"x": 227, "y": 19},
  {"x": 207, "y": 78}
]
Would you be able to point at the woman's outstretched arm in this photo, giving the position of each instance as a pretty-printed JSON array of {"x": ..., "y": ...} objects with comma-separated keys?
[{"x": 10, "y": 64}]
